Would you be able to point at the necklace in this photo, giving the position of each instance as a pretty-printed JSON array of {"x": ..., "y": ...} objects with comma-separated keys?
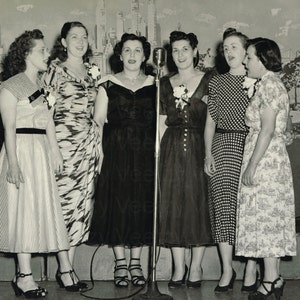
[{"x": 132, "y": 80}]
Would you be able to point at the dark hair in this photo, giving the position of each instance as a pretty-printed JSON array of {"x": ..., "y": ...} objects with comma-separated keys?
[
  {"x": 220, "y": 61},
  {"x": 59, "y": 51},
  {"x": 268, "y": 53},
  {"x": 115, "y": 60},
  {"x": 233, "y": 32},
  {"x": 14, "y": 61},
  {"x": 178, "y": 36}
]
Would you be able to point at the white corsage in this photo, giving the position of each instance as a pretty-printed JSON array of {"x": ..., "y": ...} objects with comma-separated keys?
[
  {"x": 182, "y": 98},
  {"x": 94, "y": 71},
  {"x": 249, "y": 85},
  {"x": 49, "y": 97}
]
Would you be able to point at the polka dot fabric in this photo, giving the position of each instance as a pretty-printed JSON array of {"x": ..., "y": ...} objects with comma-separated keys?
[{"x": 227, "y": 104}]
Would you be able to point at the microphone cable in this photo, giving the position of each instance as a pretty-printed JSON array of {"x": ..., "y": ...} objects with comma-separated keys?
[{"x": 83, "y": 293}]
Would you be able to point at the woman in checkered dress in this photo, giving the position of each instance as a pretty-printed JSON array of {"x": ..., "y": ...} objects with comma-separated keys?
[{"x": 225, "y": 134}]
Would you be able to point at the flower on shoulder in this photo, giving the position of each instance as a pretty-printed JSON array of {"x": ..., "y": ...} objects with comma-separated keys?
[
  {"x": 50, "y": 98},
  {"x": 181, "y": 94},
  {"x": 94, "y": 71},
  {"x": 249, "y": 85}
]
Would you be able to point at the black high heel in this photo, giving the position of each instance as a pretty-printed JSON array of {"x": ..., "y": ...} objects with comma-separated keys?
[
  {"x": 178, "y": 283},
  {"x": 136, "y": 280},
  {"x": 226, "y": 288},
  {"x": 277, "y": 291},
  {"x": 194, "y": 284},
  {"x": 250, "y": 288},
  {"x": 37, "y": 293},
  {"x": 70, "y": 288},
  {"x": 120, "y": 281}
]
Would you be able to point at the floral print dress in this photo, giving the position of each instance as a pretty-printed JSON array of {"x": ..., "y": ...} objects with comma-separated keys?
[{"x": 266, "y": 211}]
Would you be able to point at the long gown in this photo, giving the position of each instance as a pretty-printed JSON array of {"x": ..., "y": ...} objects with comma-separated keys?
[
  {"x": 79, "y": 139},
  {"x": 184, "y": 217},
  {"x": 31, "y": 219},
  {"x": 227, "y": 104},
  {"x": 266, "y": 211},
  {"x": 124, "y": 195}
]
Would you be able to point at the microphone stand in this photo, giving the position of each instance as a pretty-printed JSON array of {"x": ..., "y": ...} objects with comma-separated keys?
[{"x": 152, "y": 287}]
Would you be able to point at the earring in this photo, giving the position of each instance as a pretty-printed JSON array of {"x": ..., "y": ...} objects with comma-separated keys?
[{"x": 65, "y": 49}]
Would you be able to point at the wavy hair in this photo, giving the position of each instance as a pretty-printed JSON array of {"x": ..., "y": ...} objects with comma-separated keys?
[
  {"x": 15, "y": 60},
  {"x": 59, "y": 51},
  {"x": 268, "y": 53},
  {"x": 115, "y": 60},
  {"x": 178, "y": 36}
]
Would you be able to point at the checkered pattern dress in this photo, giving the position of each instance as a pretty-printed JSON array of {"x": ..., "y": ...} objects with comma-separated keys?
[{"x": 227, "y": 104}]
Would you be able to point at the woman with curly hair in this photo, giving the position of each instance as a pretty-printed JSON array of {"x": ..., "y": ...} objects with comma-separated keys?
[
  {"x": 124, "y": 193},
  {"x": 31, "y": 219},
  {"x": 184, "y": 222},
  {"x": 73, "y": 83}
]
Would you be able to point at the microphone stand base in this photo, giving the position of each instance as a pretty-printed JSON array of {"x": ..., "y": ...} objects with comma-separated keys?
[{"x": 153, "y": 293}]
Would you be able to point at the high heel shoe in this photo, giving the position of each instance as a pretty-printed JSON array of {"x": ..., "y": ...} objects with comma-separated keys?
[
  {"x": 250, "y": 288},
  {"x": 194, "y": 284},
  {"x": 277, "y": 291},
  {"x": 120, "y": 281},
  {"x": 70, "y": 288},
  {"x": 178, "y": 283},
  {"x": 136, "y": 280},
  {"x": 228, "y": 287},
  {"x": 36, "y": 293}
]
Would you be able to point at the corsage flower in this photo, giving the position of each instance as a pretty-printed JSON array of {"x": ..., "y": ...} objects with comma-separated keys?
[
  {"x": 182, "y": 98},
  {"x": 249, "y": 85},
  {"x": 94, "y": 71},
  {"x": 50, "y": 98}
]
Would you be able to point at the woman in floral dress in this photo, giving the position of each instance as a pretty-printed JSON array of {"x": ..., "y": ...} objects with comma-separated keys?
[
  {"x": 266, "y": 210},
  {"x": 184, "y": 219},
  {"x": 72, "y": 86}
]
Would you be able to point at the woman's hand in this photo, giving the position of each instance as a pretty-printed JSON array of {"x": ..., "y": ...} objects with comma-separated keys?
[
  {"x": 57, "y": 161},
  {"x": 209, "y": 165},
  {"x": 14, "y": 175},
  {"x": 248, "y": 175}
]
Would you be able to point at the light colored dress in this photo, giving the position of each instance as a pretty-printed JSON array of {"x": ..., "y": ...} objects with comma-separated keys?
[
  {"x": 31, "y": 217},
  {"x": 79, "y": 138},
  {"x": 266, "y": 211}
]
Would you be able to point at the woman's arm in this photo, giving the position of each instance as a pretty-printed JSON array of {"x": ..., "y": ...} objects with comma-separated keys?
[
  {"x": 8, "y": 109},
  {"x": 268, "y": 121},
  {"x": 209, "y": 132},
  {"x": 100, "y": 109},
  {"x": 57, "y": 158}
]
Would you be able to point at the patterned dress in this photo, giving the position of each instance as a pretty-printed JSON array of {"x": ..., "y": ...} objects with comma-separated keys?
[
  {"x": 79, "y": 139},
  {"x": 227, "y": 103},
  {"x": 31, "y": 219},
  {"x": 123, "y": 212},
  {"x": 266, "y": 211},
  {"x": 184, "y": 218}
]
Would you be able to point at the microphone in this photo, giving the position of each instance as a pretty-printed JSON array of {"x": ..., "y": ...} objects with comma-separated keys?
[{"x": 159, "y": 57}]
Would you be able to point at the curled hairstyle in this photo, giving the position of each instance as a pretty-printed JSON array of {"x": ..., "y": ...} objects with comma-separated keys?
[
  {"x": 15, "y": 60},
  {"x": 59, "y": 51},
  {"x": 178, "y": 36},
  {"x": 268, "y": 53},
  {"x": 115, "y": 60}
]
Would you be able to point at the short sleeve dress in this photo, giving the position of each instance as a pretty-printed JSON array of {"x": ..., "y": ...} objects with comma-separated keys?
[
  {"x": 123, "y": 213},
  {"x": 266, "y": 211},
  {"x": 227, "y": 103},
  {"x": 31, "y": 219},
  {"x": 183, "y": 205},
  {"x": 79, "y": 138}
]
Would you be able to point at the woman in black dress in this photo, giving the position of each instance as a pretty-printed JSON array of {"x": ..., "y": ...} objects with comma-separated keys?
[
  {"x": 124, "y": 192},
  {"x": 184, "y": 221}
]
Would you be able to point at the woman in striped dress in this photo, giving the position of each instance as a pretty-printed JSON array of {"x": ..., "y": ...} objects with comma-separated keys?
[
  {"x": 72, "y": 84},
  {"x": 225, "y": 134}
]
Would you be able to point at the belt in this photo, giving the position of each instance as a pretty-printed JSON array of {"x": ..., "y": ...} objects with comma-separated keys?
[
  {"x": 30, "y": 131},
  {"x": 221, "y": 130}
]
